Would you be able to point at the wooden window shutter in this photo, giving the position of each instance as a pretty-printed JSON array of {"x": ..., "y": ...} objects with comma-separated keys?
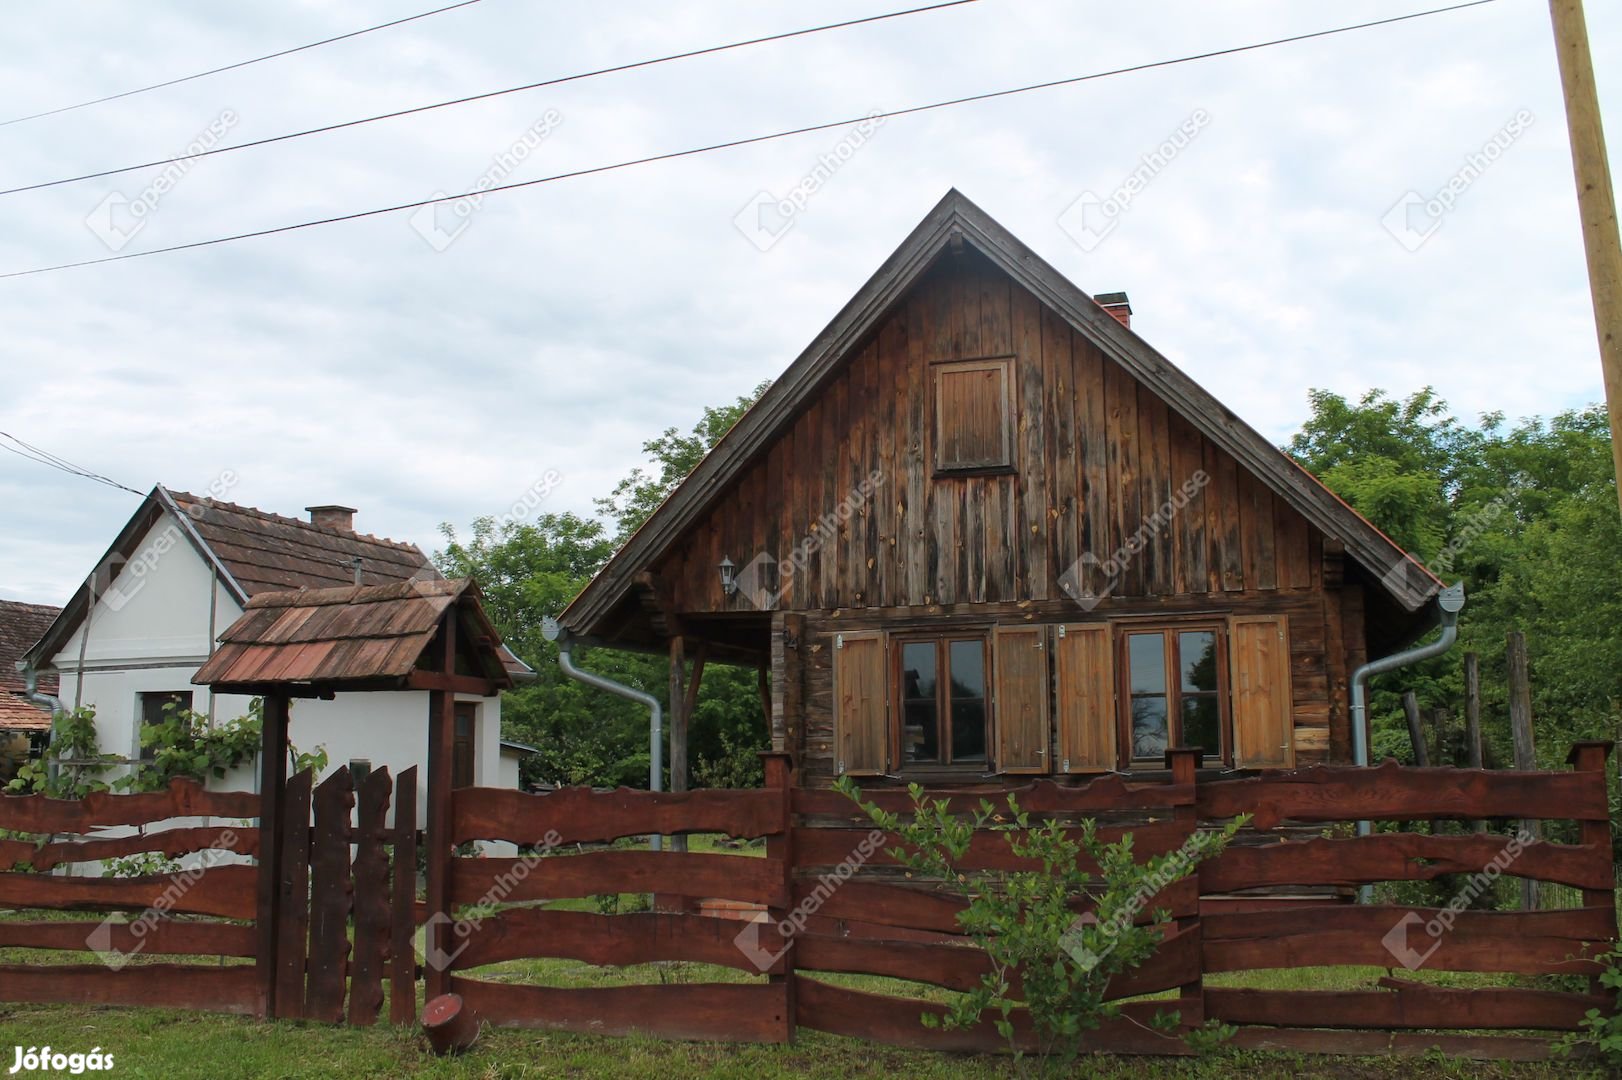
[
  {"x": 861, "y": 736},
  {"x": 1263, "y": 732},
  {"x": 1019, "y": 657},
  {"x": 973, "y": 421},
  {"x": 1085, "y": 660}
]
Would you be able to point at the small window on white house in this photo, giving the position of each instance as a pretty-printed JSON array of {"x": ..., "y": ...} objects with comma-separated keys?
[
  {"x": 155, "y": 709},
  {"x": 974, "y": 417}
]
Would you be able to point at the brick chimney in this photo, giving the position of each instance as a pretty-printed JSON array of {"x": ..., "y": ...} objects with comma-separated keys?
[
  {"x": 1117, "y": 305},
  {"x": 333, "y": 517}
]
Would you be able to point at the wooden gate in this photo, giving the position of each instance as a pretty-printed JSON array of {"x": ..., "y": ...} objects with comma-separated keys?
[{"x": 343, "y": 863}]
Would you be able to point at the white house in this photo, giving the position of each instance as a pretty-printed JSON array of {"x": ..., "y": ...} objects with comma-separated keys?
[{"x": 180, "y": 572}]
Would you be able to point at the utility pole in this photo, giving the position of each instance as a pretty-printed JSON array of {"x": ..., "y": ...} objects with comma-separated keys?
[{"x": 1596, "y": 203}]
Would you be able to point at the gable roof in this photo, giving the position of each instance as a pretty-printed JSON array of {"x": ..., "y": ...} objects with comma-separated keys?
[
  {"x": 1409, "y": 585},
  {"x": 253, "y": 552},
  {"x": 355, "y": 637}
]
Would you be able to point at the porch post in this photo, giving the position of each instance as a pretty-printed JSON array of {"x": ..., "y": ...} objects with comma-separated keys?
[
  {"x": 441, "y": 749},
  {"x": 272, "y": 792}
]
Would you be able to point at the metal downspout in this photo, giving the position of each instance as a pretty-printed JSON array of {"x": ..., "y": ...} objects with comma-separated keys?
[
  {"x": 32, "y": 693},
  {"x": 552, "y": 630},
  {"x": 1448, "y": 603}
]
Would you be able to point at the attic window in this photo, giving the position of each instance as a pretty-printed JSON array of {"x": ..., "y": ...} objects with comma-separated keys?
[{"x": 974, "y": 422}]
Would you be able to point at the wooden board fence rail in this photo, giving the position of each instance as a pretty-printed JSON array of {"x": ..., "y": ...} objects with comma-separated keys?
[
  {"x": 225, "y": 891},
  {"x": 170, "y": 843},
  {"x": 182, "y": 799},
  {"x": 1400, "y": 857},
  {"x": 579, "y": 815},
  {"x": 598, "y": 873}
]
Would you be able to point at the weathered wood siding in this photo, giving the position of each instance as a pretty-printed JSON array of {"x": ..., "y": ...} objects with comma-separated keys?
[{"x": 1096, "y": 452}]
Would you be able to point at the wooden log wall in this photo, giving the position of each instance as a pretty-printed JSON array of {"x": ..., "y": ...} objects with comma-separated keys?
[{"x": 1095, "y": 454}]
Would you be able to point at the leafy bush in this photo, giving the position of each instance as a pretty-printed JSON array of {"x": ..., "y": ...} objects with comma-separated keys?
[
  {"x": 76, "y": 754},
  {"x": 1043, "y": 956}
]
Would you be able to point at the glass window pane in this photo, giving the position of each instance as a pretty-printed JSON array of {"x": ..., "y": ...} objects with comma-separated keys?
[
  {"x": 920, "y": 730},
  {"x": 1146, "y": 660},
  {"x": 968, "y": 730},
  {"x": 1148, "y": 727},
  {"x": 1196, "y": 655},
  {"x": 968, "y": 668},
  {"x": 1201, "y": 724}
]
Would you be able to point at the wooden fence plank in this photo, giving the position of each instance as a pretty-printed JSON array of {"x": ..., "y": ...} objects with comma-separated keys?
[
  {"x": 293, "y": 912},
  {"x": 403, "y": 902},
  {"x": 1414, "y": 1006},
  {"x": 724, "y": 877},
  {"x": 895, "y": 1021},
  {"x": 164, "y": 937},
  {"x": 225, "y": 891},
  {"x": 579, "y": 815},
  {"x": 202, "y": 987},
  {"x": 1392, "y": 792},
  {"x": 1398, "y": 857},
  {"x": 372, "y": 907},
  {"x": 184, "y": 798},
  {"x": 618, "y": 940},
  {"x": 988, "y": 850},
  {"x": 730, "y": 1012},
  {"x": 330, "y": 899},
  {"x": 961, "y": 967},
  {"x": 1552, "y": 942},
  {"x": 918, "y": 908},
  {"x": 173, "y": 843},
  {"x": 1110, "y": 792}
]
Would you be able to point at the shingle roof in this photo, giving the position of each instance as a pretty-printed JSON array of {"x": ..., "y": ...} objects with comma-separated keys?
[
  {"x": 271, "y": 553},
  {"x": 349, "y": 635},
  {"x": 20, "y": 626}
]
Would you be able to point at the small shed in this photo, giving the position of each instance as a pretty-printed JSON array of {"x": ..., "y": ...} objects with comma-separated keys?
[{"x": 412, "y": 635}]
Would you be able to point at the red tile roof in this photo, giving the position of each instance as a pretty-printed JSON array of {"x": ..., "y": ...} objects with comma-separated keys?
[{"x": 20, "y": 626}]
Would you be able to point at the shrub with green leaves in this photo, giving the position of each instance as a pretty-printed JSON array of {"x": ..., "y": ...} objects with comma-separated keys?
[{"x": 1045, "y": 957}]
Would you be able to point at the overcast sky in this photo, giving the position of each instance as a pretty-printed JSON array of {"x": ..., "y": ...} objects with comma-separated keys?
[{"x": 569, "y": 322}]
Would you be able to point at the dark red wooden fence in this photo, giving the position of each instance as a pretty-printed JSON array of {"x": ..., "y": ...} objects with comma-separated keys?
[{"x": 347, "y": 906}]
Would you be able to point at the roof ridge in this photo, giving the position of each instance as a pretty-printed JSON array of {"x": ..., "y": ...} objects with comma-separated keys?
[{"x": 220, "y": 504}]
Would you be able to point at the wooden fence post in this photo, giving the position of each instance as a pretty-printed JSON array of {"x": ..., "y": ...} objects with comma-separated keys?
[
  {"x": 272, "y": 788},
  {"x": 1590, "y": 757},
  {"x": 1472, "y": 720},
  {"x": 441, "y": 852},
  {"x": 1520, "y": 726},
  {"x": 780, "y": 847},
  {"x": 1184, "y": 764}
]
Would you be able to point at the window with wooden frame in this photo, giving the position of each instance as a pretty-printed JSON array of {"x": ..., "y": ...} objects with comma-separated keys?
[
  {"x": 156, "y": 708},
  {"x": 974, "y": 414},
  {"x": 941, "y": 702},
  {"x": 1173, "y": 691}
]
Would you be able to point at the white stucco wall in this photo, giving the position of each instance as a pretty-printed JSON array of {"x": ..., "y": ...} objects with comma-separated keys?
[{"x": 151, "y": 630}]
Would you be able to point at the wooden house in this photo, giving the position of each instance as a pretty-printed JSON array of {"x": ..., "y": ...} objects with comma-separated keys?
[{"x": 981, "y": 528}]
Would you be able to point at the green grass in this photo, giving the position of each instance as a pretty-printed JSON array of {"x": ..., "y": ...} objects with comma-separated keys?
[{"x": 163, "y": 1044}]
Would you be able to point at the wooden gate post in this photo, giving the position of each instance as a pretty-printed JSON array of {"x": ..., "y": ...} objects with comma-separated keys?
[
  {"x": 1589, "y": 757},
  {"x": 272, "y": 789},
  {"x": 441, "y": 749},
  {"x": 780, "y": 847},
  {"x": 1520, "y": 727},
  {"x": 1184, "y": 764}
]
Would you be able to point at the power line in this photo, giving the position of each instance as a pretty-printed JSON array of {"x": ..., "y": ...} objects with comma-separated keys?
[
  {"x": 491, "y": 94},
  {"x": 239, "y": 64},
  {"x": 750, "y": 140},
  {"x": 45, "y": 457}
]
